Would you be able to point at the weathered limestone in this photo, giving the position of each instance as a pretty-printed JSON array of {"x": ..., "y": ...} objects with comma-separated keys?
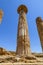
[
  {"x": 39, "y": 23},
  {"x": 23, "y": 42},
  {"x": 1, "y": 15},
  {"x": 21, "y": 63},
  {"x": 23, "y": 54},
  {"x": 11, "y": 57},
  {"x": 4, "y": 51}
]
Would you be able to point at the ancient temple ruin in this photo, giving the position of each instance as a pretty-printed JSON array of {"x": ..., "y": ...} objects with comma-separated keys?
[{"x": 23, "y": 52}]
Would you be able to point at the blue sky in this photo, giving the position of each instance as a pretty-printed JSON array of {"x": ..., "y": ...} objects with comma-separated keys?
[{"x": 8, "y": 27}]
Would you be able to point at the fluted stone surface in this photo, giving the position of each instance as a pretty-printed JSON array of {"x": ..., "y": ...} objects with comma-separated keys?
[
  {"x": 39, "y": 23},
  {"x": 23, "y": 42}
]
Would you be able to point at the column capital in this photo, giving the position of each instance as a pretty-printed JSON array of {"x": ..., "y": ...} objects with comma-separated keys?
[{"x": 22, "y": 7}]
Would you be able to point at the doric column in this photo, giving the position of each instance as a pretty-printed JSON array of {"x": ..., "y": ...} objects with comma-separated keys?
[
  {"x": 39, "y": 23},
  {"x": 23, "y": 42},
  {"x": 1, "y": 15}
]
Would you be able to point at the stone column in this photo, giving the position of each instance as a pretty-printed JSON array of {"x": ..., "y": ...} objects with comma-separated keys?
[
  {"x": 1, "y": 15},
  {"x": 39, "y": 23},
  {"x": 23, "y": 42}
]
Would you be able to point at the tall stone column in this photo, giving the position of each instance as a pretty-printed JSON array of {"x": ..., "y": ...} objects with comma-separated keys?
[
  {"x": 39, "y": 23},
  {"x": 23, "y": 42}
]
